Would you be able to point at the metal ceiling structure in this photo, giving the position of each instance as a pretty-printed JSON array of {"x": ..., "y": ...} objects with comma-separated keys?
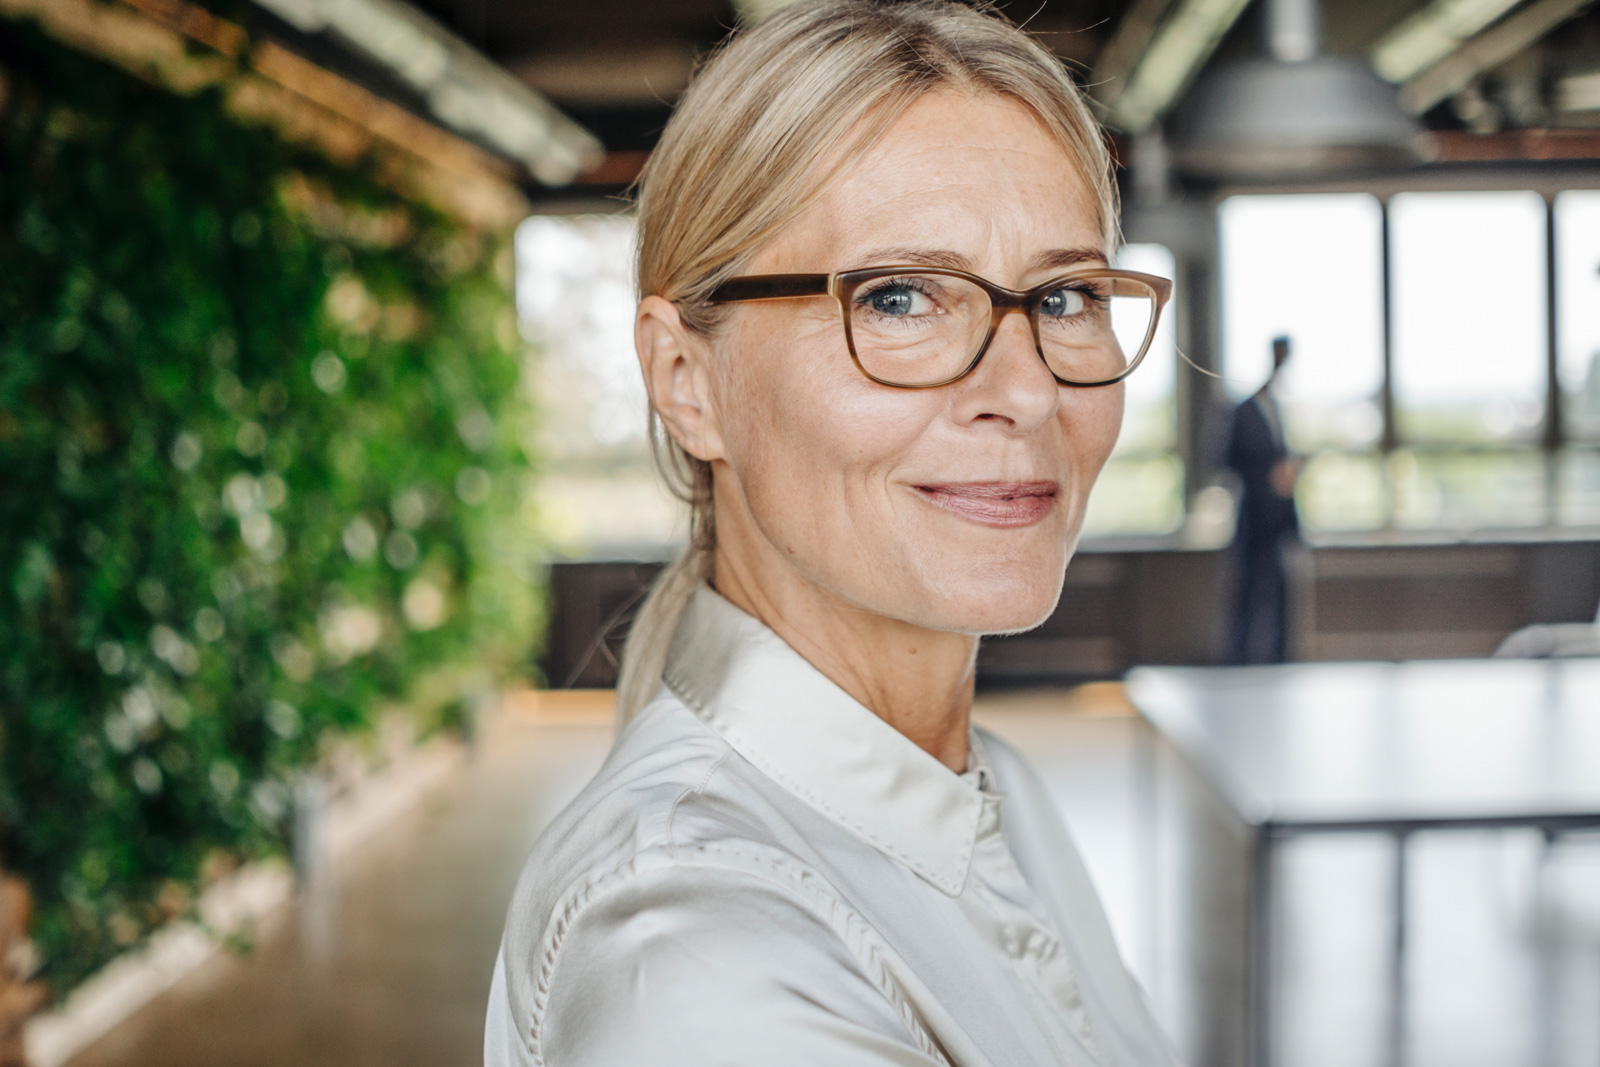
[
  {"x": 571, "y": 97},
  {"x": 1479, "y": 67}
]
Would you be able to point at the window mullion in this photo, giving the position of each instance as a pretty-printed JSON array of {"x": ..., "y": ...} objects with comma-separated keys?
[{"x": 1389, "y": 438}]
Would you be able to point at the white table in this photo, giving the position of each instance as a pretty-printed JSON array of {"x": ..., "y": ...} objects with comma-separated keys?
[{"x": 1390, "y": 748}]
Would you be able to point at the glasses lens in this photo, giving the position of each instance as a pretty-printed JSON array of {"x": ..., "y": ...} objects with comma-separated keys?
[
  {"x": 1092, "y": 330},
  {"x": 917, "y": 329}
]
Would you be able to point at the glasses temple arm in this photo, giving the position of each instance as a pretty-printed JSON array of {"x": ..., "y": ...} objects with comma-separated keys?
[{"x": 770, "y": 287}]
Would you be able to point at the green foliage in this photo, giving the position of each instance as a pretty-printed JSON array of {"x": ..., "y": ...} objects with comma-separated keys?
[{"x": 259, "y": 476}]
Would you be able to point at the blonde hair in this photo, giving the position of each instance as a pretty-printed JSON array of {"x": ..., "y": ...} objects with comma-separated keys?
[{"x": 772, "y": 118}]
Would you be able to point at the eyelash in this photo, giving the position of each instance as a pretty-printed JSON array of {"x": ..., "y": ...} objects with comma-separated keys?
[
  {"x": 864, "y": 299},
  {"x": 1089, "y": 292}
]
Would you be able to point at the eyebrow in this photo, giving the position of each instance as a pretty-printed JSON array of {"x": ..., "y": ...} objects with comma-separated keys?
[
  {"x": 939, "y": 257},
  {"x": 1068, "y": 257}
]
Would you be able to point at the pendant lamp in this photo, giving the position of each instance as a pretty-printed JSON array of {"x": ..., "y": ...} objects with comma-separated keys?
[{"x": 1295, "y": 113}]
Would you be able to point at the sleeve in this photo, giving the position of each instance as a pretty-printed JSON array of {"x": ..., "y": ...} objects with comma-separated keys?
[{"x": 704, "y": 967}]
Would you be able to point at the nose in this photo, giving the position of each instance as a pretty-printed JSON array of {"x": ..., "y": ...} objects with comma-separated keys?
[{"x": 1011, "y": 385}]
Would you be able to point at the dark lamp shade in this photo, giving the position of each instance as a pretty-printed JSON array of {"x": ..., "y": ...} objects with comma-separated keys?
[{"x": 1263, "y": 118}]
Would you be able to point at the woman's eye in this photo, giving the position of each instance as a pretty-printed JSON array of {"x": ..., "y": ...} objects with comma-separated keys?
[
  {"x": 899, "y": 300},
  {"x": 1063, "y": 302}
]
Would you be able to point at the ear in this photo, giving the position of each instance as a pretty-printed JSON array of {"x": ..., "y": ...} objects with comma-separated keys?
[{"x": 677, "y": 373}]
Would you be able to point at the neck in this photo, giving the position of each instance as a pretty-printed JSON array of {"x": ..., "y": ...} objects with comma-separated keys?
[{"x": 917, "y": 680}]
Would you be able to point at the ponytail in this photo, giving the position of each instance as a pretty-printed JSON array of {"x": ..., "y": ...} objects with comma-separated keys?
[{"x": 650, "y": 637}]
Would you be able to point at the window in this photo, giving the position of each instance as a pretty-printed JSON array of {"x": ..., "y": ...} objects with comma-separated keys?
[
  {"x": 1141, "y": 488},
  {"x": 1469, "y": 334},
  {"x": 1577, "y": 248},
  {"x": 1577, "y": 218},
  {"x": 1469, "y": 316},
  {"x": 598, "y": 493},
  {"x": 1470, "y": 357},
  {"x": 1310, "y": 267}
]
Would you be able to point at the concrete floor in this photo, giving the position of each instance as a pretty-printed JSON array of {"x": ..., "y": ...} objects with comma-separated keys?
[{"x": 388, "y": 961}]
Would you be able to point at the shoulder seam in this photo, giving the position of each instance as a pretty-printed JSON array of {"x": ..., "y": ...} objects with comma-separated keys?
[{"x": 690, "y": 790}]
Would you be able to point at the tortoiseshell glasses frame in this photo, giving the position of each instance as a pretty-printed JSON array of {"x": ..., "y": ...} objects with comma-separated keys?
[{"x": 1096, "y": 285}]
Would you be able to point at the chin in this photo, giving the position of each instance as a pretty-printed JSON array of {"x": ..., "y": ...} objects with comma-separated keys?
[
  {"x": 991, "y": 598},
  {"x": 987, "y": 583}
]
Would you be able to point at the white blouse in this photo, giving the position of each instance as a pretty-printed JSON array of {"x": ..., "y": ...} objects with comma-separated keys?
[{"x": 766, "y": 873}]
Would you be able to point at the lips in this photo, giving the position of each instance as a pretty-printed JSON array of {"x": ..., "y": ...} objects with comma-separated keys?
[{"x": 1005, "y": 504}]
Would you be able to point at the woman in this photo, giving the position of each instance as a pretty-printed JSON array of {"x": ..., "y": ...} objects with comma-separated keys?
[{"x": 799, "y": 852}]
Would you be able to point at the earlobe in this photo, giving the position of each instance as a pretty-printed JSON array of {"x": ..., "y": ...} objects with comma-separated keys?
[{"x": 676, "y": 366}]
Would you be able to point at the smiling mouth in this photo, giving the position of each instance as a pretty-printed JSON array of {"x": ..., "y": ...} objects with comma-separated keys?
[{"x": 994, "y": 503}]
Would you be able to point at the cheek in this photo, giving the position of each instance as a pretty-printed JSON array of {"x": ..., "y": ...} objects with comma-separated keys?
[
  {"x": 804, "y": 430},
  {"x": 1091, "y": 420}
]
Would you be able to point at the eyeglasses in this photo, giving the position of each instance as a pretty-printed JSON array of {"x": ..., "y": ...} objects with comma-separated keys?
[{"x": 921, "y": 327}]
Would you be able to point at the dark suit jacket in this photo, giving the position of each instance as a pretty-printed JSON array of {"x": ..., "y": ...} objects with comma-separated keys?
[{"x": 1255, "y": 446}]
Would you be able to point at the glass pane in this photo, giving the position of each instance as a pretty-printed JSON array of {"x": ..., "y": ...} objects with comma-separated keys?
[
  {"x": 1578, "y": 310},
  {"x": 1150, "y": 421},
  {"x": 599, "y": 494},
  {"x": 1469, "y": 316},
  {"x": 1136, "y": 496},
  {"x": 1308, "y": 267},
  {"x": 1341, "y": 491},
  {"x": 1468, "y": 490},
  {"x": 1578, "y": 500}
]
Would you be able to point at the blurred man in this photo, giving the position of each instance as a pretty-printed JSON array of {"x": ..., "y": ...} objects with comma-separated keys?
[{"x": 1268, "y": 524}]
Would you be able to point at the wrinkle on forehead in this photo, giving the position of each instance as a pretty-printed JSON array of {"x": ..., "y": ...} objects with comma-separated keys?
[{"x": 971, "y": 177}]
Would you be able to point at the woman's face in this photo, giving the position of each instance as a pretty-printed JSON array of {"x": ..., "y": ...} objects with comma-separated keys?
[{"x": 954, "y": 508}]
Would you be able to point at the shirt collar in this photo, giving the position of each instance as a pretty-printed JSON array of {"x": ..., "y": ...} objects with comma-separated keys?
[{"x": 788, "y": 719}]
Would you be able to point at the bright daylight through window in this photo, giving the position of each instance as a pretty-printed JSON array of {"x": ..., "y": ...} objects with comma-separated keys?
[
  {"x": 1577, "y": 226},
  {"x": 1310, "y": 268},
  {"x": 1141, "y": 489},
  {"x": 1472, "y": 445},
  {"x": 598, "y": 495},
  {"x": 1470, "y": 308}
]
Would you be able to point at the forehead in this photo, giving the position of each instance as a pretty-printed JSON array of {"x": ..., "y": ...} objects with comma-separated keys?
[{"x": 977, "y": 175}]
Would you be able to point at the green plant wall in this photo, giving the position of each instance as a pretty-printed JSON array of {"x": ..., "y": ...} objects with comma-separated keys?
[{"x": 260, "y": 465}]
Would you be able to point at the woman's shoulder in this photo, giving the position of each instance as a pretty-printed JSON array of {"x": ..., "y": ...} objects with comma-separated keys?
[
  {"x": 659, "y": 882},
  {"x": 671, "y": 804},
  {"x": 668, "y": 784},
  {"x": 662, "y": 761},
  {"x": 709, "y": 955}
]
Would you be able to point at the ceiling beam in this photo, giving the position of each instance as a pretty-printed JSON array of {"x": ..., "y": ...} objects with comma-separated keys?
[
  {"x": 1485, "y": 52},
  {"x": 1517, "y": 146},
  {"x": 1177, "y": 51},
  {"x": 1122, "y": 52},
  {"x": 464, "y": 90},
  {"x": 1420, "y": 41},
  {"x": 150, "y": 39}
]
